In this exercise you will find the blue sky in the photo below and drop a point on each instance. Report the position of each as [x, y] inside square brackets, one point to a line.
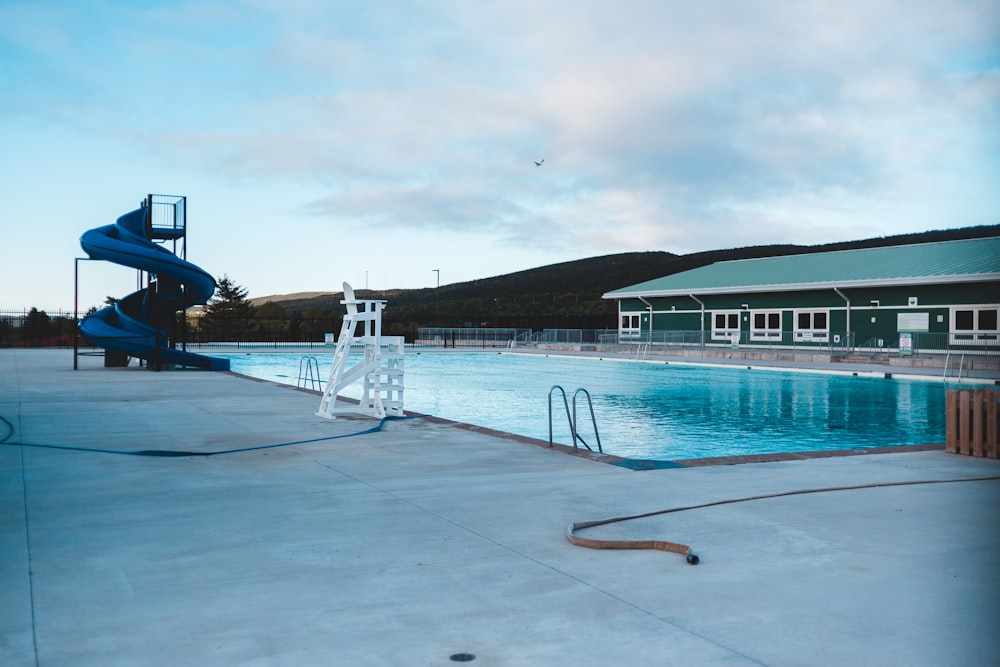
[320, 142]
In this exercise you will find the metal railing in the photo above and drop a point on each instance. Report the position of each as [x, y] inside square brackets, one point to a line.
[572, 419]
[932, 343]
[980, 343]
[309, 373]
[832, 342]
[871, 348]
[469, 336]
[168, 213]
[947, 366]
[37, 328]
[34, 328]
[570, 336]
[521, 338]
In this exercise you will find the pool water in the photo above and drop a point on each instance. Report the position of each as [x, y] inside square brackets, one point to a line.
[658, 411]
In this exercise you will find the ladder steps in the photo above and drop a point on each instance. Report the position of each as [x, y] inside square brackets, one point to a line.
[380, 369]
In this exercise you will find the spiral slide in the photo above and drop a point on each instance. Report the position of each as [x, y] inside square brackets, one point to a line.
[138, 324]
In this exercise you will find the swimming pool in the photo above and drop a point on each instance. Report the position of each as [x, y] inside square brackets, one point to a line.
[658, 411]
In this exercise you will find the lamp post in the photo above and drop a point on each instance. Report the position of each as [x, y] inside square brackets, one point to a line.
[437, 297]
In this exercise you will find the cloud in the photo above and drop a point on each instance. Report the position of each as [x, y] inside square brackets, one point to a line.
[664, 125]
[695, 103]
[447, 207]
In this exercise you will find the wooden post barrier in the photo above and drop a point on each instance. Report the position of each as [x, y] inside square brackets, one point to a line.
[971, 422]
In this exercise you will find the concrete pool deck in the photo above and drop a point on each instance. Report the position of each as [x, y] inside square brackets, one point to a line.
[424, 543]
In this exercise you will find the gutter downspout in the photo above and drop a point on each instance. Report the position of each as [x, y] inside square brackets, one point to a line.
[701, 320]
[649, 306]
[848, 302]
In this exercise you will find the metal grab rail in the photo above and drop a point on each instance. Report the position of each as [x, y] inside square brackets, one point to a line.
[571, 418]
[310, 362]
[593, 420]
[870, 345]
[566, 405]
[961, 365]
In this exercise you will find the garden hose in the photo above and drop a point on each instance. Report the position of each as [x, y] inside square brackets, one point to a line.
[685, 550]
[172, 453]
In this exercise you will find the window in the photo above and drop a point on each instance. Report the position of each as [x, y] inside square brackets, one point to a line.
[965, 320]
[725, 324]
[975, 324]
[630, 321]
[987, 320]
[765, 325]
[812, 325]
[727, 320]
[629, 325]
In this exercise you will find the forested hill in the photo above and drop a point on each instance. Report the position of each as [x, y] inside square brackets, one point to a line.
[566, 294]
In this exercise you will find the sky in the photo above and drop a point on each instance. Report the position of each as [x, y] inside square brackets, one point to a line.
[393, 144]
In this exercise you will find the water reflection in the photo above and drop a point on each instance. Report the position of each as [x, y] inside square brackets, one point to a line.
[665, 411]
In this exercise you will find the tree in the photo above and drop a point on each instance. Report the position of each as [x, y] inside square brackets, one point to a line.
[272, 322]
[230, 300]
[272, 310]
[228, 313]
[36, 325]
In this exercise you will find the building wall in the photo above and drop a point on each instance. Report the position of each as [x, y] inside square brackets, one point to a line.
[877, 315]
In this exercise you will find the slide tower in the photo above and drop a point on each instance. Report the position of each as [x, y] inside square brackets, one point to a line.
[144, 323]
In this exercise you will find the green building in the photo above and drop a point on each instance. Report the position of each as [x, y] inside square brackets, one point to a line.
[926, 297]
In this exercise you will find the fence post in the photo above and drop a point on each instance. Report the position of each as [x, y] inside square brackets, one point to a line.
[992, 412]
[951, 421]
[971, 422]
[964, 432]
[978, 400]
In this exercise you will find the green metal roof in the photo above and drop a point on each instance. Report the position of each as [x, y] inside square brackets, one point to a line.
[919, 263]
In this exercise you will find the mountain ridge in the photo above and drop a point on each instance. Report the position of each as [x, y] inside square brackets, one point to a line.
[565, 294]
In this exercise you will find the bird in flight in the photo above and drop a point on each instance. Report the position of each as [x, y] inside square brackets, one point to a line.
[539, 164]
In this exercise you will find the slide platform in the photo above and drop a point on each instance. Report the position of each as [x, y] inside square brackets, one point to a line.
[137, 325]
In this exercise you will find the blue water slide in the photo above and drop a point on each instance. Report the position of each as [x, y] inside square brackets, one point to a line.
[136, 325]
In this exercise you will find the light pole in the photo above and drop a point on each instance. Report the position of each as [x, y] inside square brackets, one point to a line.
[437, 297]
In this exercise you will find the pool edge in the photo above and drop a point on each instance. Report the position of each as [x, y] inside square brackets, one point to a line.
[637, 464]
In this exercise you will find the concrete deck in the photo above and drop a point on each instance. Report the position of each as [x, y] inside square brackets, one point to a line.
[425, 543]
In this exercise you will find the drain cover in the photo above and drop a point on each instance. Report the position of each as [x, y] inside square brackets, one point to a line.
[461, 657]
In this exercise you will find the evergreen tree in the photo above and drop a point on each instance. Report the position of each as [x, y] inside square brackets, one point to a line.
[228, 314]
[36, 325]
[230, 300]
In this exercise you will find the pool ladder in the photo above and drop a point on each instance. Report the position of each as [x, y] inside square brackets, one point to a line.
[961, 365]
[572, 418]
[309, 373]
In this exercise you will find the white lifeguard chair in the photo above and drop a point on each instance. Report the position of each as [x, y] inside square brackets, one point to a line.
[381, 369]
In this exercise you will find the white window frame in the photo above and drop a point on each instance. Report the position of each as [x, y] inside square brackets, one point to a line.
[726, 333]
[767, 332]
[977, 333]
[635, 324]
[814, 333]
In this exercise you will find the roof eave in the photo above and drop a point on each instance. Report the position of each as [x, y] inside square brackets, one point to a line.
[799, 287]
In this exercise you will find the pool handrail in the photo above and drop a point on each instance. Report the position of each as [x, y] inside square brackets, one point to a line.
[568, 418]
[593, 420]
[314, 380]
[571, 418]
[961, 364]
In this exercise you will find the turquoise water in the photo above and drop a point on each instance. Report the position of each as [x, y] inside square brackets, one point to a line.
[655, 410]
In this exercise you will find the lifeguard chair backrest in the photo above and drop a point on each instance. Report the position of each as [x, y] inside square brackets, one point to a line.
[349, 300]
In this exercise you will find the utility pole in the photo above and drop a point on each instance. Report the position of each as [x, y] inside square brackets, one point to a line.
[437, 296]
